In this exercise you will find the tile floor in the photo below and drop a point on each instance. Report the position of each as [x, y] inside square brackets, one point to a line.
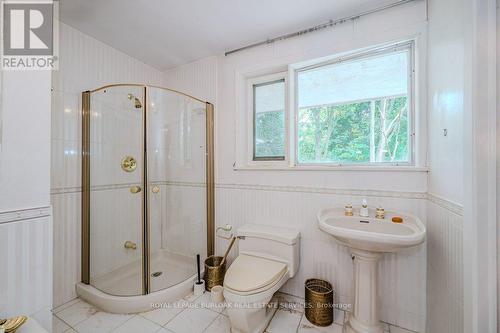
[189, 315]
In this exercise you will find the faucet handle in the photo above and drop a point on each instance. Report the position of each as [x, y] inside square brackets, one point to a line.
[130, 245]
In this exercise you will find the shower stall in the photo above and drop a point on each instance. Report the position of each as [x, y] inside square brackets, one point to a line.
[147, 194]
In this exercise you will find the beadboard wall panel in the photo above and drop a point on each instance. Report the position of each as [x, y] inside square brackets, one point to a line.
[444, 269]
[402, 276]
[26, 260]
[197, 79]
[67, 244]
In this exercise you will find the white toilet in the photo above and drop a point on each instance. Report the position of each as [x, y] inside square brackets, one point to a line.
[268, 257]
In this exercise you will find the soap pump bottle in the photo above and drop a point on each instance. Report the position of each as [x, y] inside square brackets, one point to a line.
[363, 212]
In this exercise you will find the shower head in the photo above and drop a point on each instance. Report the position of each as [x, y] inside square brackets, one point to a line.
[137, 102]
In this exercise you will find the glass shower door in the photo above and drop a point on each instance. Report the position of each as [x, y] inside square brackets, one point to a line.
[177, 190]
[116, 156]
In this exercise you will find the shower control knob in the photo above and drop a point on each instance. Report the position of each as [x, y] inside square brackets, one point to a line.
[155, 189]
[130, 245]
[129, 164]
[135, 189]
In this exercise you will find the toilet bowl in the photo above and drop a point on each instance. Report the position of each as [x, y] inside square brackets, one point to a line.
[267, 258]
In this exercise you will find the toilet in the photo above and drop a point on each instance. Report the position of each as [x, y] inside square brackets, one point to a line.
[268, 257]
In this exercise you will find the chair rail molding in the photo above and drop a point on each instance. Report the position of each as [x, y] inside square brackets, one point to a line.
[25, 214]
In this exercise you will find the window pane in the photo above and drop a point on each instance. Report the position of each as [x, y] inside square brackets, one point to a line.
[269, 120]
[355, 111]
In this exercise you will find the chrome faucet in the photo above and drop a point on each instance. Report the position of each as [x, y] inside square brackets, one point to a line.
[363, 212]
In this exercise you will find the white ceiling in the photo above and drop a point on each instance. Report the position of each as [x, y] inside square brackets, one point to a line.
[168, 33]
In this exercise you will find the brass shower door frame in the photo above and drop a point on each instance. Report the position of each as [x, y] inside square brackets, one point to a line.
[85, 191]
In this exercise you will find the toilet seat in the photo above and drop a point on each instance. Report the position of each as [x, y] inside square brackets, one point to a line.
[250, 275]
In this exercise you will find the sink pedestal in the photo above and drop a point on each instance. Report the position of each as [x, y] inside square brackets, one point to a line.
[364, 318]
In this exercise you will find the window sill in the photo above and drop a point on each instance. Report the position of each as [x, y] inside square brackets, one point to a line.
[386, 168]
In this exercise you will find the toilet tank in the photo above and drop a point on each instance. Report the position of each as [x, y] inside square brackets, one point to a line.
[275, 243]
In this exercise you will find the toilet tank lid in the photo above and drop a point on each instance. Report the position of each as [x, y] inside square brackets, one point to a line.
[279, 234]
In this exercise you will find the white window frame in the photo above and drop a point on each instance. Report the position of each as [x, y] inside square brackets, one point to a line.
[387, 49]
[250, 83]
[277, 69]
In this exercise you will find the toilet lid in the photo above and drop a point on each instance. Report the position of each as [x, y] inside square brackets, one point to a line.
[248, 273]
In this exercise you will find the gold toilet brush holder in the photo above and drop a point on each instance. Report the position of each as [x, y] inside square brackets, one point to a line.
[215, 269]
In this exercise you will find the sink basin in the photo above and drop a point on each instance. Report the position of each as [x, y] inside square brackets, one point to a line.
[368, 238]
[371, 234]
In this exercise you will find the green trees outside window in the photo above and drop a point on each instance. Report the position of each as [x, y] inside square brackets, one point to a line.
[350, 110]
[364, 132]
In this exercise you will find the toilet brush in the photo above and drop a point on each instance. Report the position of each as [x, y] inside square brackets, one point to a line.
[198, 264]
[227, 251]
[199, 285]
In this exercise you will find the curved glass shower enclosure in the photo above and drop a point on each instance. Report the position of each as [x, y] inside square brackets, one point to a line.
[147, 188]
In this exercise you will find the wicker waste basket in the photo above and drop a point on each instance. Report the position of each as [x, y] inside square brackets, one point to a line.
[214, 272]
[319, 302]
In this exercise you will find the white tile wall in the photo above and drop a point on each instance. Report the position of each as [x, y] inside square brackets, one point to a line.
[184, 228]
[85, 64]
[177, 139]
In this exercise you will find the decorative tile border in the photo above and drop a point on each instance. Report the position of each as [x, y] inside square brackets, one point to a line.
[299, 189]
[25, 214]
[106, 187]
[446, 204]
[449, 205]
[326, 190]
[64, 190]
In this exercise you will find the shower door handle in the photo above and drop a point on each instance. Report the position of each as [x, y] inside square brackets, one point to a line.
[135, 189]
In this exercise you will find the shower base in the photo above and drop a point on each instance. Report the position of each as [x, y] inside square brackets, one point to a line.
[170, 286]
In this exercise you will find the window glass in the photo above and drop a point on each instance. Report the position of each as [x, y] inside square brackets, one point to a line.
[355, 111]
[269, 120]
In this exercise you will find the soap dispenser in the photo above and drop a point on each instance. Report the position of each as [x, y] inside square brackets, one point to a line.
[363, 212]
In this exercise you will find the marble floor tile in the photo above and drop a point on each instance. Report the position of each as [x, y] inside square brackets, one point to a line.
[338, 316]
[190, 315]
[289, 302]
[65, 305]
[284, 321]
[137, 324]
[221, 324]
[192, 297]
[385, 326]
[396, 329]
[163, 315]
[306, 326]
[77, 312]
[205, 301]
[59, 326]
[192, 320]
[164, 330]
[102, 322]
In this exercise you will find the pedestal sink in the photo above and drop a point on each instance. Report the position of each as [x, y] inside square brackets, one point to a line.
[368, 238]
